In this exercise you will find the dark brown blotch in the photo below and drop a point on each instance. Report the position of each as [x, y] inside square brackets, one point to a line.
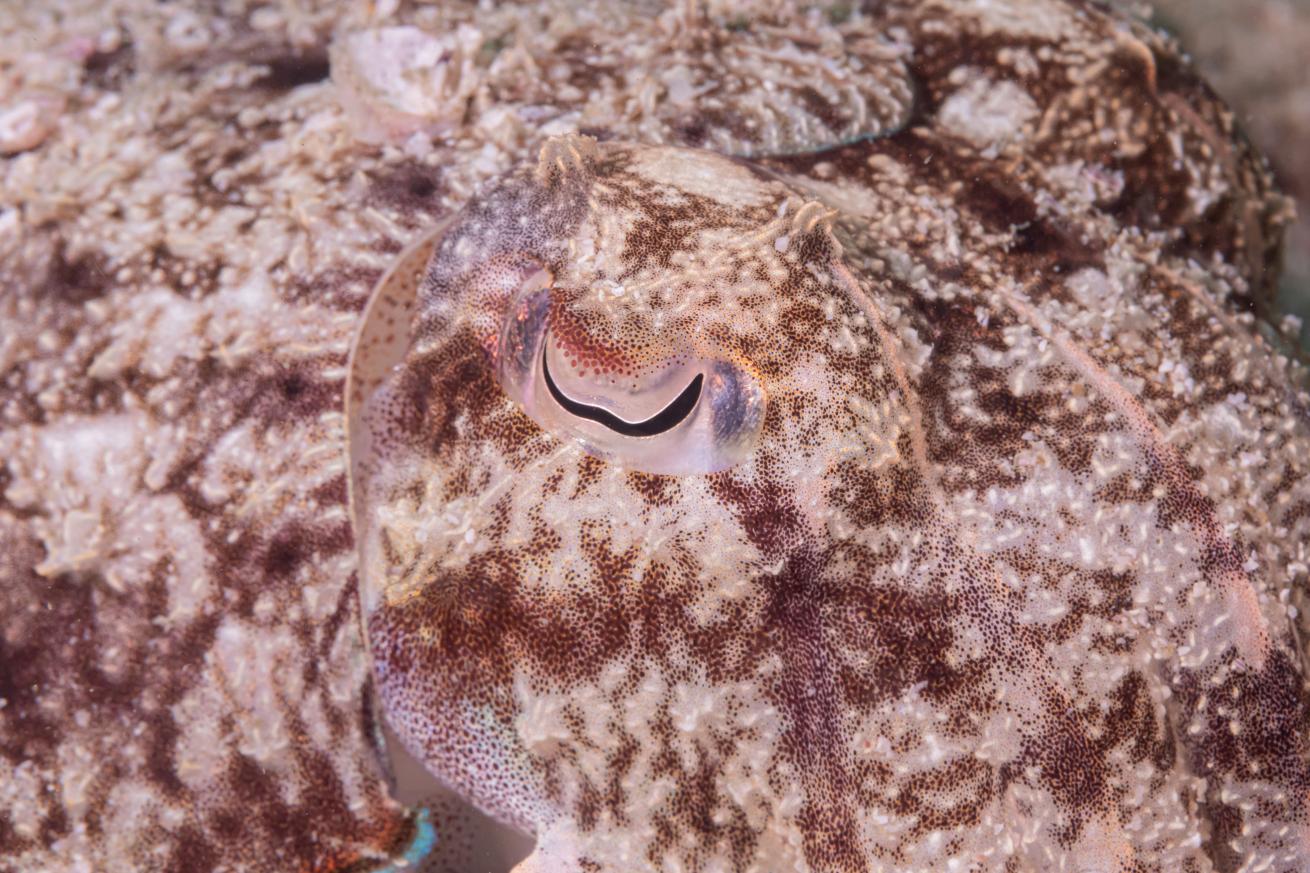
[77, 276]
[408, 187]
[293, 70]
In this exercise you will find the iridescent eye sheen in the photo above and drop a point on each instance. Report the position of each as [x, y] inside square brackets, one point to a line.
[689, 414]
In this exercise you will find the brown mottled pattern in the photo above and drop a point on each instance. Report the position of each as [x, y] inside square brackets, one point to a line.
[984, 592]
[182, 680]
[1008, 575]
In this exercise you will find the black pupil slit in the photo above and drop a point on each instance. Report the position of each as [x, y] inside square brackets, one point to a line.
[666, 419]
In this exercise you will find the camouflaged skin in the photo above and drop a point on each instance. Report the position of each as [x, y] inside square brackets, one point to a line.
[1013, 580]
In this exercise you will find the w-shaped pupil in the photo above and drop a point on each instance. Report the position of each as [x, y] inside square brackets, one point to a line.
[665, 419]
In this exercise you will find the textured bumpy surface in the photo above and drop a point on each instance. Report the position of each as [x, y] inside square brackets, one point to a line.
[1270, 92]
[983, 545]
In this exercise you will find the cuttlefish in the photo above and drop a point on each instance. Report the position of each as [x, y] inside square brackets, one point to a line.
[732, 439]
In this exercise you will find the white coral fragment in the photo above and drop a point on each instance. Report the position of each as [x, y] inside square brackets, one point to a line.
[26, 123]
[398, 81]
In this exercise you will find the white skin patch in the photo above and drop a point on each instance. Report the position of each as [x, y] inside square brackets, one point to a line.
[723, 182]
[988, 114]
[1044, 19]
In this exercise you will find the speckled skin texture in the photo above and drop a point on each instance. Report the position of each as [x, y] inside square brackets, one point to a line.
[1010, 576]
[1270, 94]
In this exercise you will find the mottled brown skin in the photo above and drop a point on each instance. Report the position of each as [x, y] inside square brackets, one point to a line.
[615, 694]
[539, 660]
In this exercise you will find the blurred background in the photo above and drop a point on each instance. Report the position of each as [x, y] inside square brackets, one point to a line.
[1256, 53]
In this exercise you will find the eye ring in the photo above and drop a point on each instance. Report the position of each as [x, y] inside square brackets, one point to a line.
[665, 420]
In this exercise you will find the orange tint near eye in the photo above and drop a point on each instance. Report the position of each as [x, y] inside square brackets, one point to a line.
[584, 353]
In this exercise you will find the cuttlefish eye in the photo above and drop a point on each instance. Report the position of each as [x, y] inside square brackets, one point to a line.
[680, 413]
[666, 419]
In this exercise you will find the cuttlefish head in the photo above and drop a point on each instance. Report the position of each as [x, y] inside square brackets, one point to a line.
[604, 426]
